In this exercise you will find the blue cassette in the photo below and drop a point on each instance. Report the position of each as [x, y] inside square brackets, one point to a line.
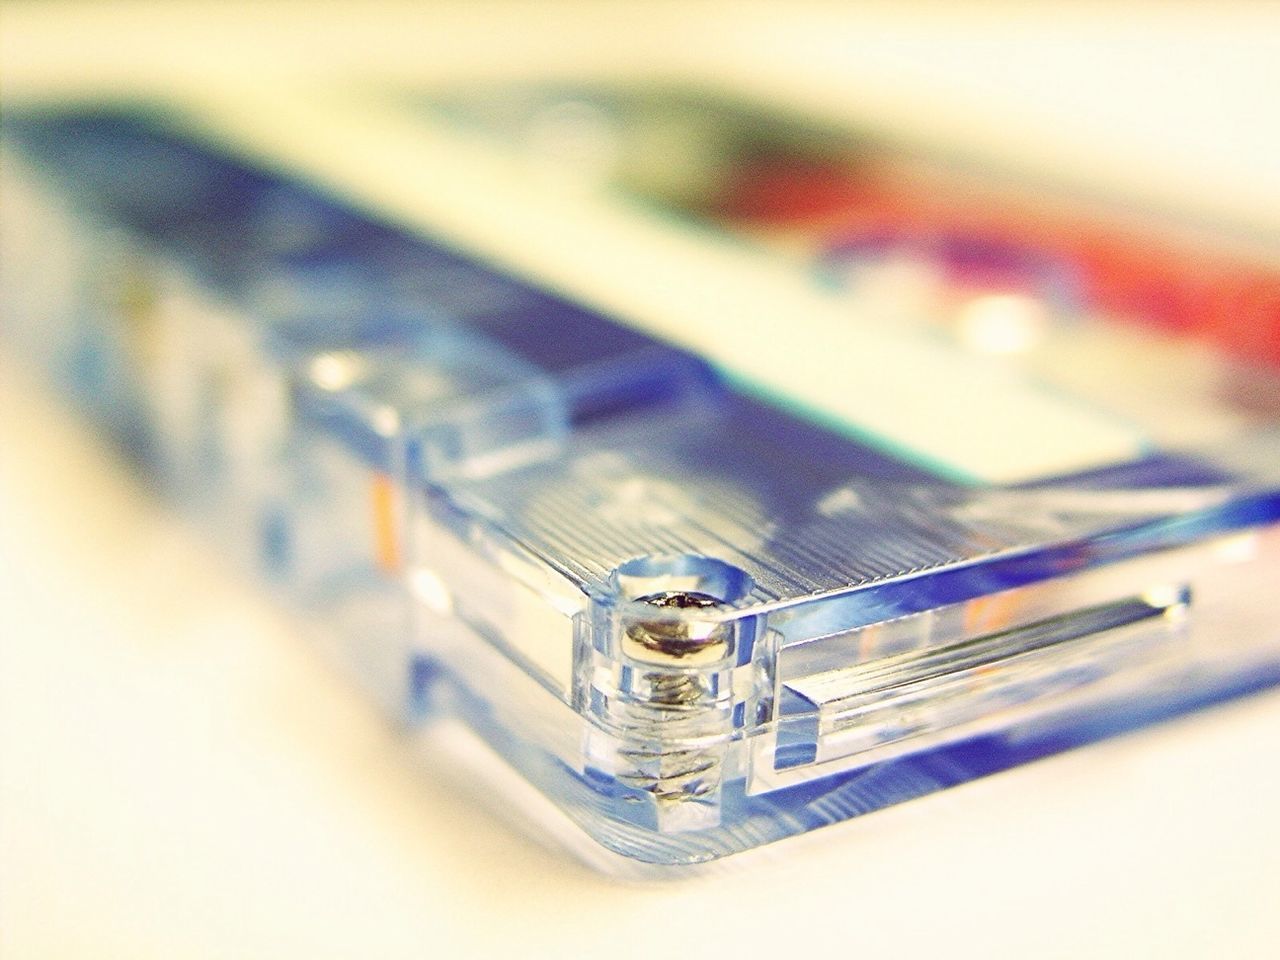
[703, 587]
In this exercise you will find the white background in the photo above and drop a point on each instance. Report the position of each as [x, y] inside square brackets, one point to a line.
[181, 775]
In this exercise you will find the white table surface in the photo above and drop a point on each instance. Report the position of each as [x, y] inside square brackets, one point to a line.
[182, 776]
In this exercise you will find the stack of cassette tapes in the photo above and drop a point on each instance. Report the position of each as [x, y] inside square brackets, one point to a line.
[1012, 488]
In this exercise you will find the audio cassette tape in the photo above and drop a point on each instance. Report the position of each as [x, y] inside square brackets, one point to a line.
[728, 471]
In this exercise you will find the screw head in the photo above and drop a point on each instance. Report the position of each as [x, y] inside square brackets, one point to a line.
[677, 641]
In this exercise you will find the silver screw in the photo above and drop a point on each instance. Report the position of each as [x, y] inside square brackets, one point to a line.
[677, 642]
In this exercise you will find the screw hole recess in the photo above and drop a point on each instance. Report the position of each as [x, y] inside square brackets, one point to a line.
[703, 581]
[675, 586]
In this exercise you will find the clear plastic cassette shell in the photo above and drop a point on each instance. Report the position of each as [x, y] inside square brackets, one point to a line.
[695, 619]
